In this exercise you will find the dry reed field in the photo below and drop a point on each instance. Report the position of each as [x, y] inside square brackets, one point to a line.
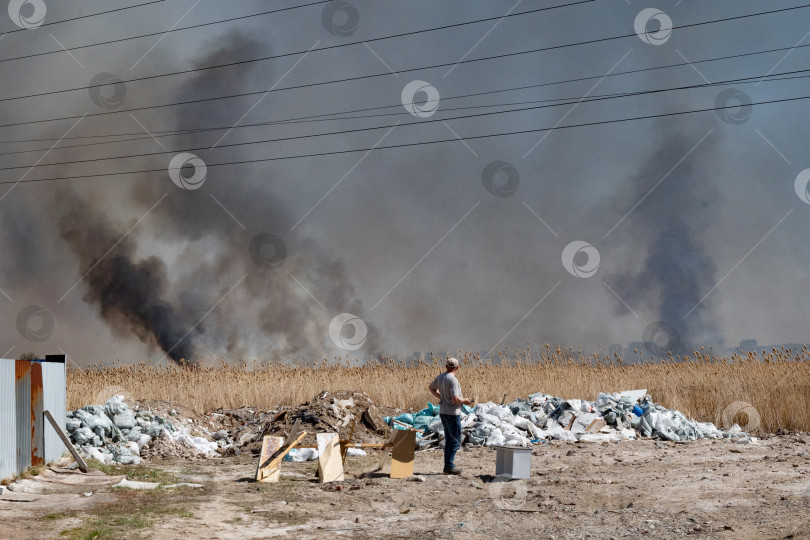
[763, 393]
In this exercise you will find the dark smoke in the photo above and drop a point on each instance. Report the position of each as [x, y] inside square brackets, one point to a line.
[131, 295]
[675, 271]
[162, 305]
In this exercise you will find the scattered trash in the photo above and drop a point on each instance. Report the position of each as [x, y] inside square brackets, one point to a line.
[747, 440]
[302, 454]
[133, 484]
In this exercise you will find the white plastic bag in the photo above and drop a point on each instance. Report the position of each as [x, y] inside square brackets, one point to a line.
[502, 413]
[526, 424]
[495, 438]
[299, 455]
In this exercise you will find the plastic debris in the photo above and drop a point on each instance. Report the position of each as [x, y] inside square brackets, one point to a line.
[612, 417]
[302, 454]
[117, 434]
[133, 484]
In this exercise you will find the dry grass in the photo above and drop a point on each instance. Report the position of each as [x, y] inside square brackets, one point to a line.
[721, 390]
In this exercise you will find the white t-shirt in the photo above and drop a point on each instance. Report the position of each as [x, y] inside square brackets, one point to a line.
[448, 386]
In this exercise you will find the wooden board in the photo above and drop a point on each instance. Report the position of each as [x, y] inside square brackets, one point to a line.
[330, 461]
[62, 435]
[344, 450]
[270, 445]
[402, 454]
[384, 455]
[595, 426]
[271, 468]
[294, 430]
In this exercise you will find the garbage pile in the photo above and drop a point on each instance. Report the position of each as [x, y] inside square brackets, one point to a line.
[114, 433]
[344, 412]
[612, 417]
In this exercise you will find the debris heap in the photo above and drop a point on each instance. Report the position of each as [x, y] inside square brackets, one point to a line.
[116, 433]
[612, 417]
[343, 412]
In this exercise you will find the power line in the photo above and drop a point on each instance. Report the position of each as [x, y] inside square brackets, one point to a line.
[86, 17]
[505, 55]
[419, 143]
[334, 116]
[245, 94]
[295, 53]
[571, 101]
[162, 32]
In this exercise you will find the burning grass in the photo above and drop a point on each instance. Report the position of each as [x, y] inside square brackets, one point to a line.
[763, 393]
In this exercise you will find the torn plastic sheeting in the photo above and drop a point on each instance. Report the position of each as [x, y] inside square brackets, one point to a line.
[92, 421]
[520, 405]
[82, 436]
[584, 420]
[405, 418]
[202, 445]
[502, 413]
[633, 395]
[557, 432]
[143, 440]
[513, 436]
[480, 433]
[132, 484]
[468, 421]
[115, 405]
[299, 455]
[98, 455]
[600, 437]
[437, 427]
[483, 407]
[124, 420]
[488, 419]
[538, 418]
[495, 438]
[527, 425]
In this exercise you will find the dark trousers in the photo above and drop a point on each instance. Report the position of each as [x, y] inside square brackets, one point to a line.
[452, 437]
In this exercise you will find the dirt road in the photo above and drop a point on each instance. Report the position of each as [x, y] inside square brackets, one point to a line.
[632, 489]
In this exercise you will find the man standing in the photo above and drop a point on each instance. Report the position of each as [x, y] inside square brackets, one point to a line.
[445, 387]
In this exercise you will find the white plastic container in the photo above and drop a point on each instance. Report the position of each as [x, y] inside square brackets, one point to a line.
[513, 462]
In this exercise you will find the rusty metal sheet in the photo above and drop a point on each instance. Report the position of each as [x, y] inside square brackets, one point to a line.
[37, 418]
[23, 427]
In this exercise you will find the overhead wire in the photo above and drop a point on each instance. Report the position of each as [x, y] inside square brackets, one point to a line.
[244, 94]
[776, 77]
[419, 143]
[334, 116]
[87, 16]
[160, 33]
[329, 47]
[387, 73]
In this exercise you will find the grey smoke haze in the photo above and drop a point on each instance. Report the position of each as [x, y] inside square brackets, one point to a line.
[409, 240]
[677, 270]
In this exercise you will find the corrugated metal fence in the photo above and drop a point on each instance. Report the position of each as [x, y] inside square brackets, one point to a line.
[27, 389]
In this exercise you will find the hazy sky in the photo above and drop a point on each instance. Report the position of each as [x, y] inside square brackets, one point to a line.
[694, 219]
